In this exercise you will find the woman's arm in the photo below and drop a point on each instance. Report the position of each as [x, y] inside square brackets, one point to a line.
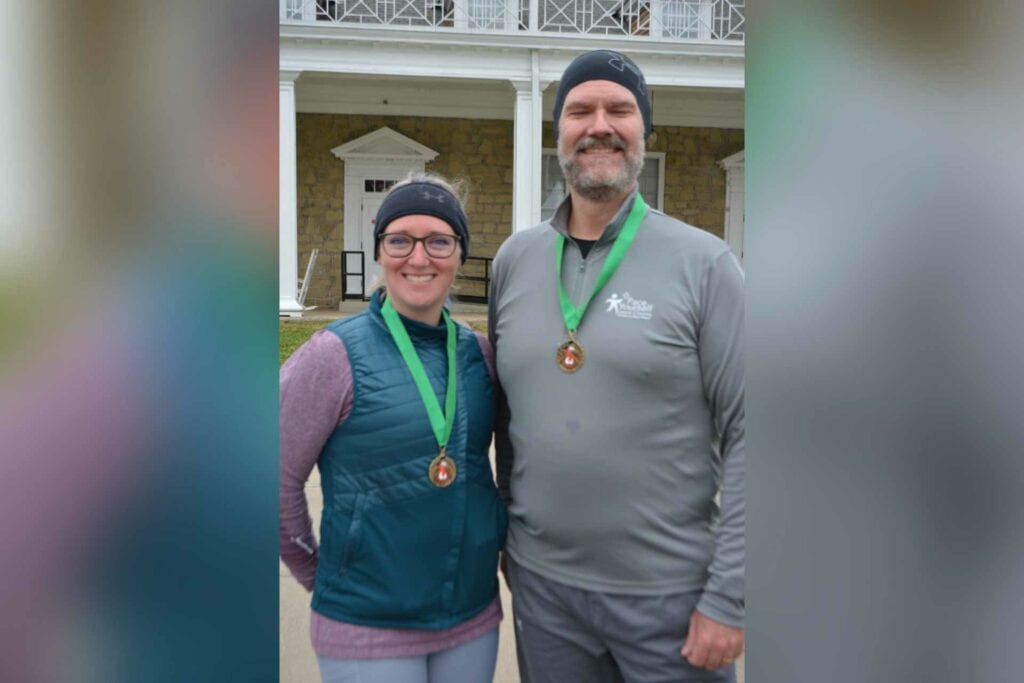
[316, 396]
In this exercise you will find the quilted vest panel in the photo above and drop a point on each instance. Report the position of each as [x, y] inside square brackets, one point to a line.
[396, 551]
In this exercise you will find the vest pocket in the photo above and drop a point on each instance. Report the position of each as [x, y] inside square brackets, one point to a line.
[338, 535]
[352, 537]
[399, 560]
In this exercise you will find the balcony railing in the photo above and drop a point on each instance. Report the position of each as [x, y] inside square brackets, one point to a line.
[718, 20]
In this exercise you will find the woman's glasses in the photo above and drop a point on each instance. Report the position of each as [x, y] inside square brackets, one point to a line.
[437, 244]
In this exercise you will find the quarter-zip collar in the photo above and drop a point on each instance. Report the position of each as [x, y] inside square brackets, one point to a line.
[560, 221]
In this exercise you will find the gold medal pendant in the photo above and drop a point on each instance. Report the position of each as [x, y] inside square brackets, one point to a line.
[569, 356]
[442, 470]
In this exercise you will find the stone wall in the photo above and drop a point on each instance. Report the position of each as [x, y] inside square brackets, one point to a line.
[480, 153]
[694, 182]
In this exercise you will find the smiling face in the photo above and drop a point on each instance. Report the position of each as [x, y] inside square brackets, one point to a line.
[601, 140]
[418, 284]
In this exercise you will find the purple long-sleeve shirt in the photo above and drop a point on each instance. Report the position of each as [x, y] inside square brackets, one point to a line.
[316, 396]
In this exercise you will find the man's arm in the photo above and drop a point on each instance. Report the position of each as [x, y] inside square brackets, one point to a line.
[716, 626]
[721, 358]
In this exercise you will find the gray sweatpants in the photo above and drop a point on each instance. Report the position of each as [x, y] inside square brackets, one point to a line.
[567, 634]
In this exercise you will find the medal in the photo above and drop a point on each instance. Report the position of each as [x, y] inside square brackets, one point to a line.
[442, 470]
[569, 355]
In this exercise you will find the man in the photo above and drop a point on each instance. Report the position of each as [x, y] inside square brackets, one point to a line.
[621, 419]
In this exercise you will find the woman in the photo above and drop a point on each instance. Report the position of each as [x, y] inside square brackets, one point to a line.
[394, 405]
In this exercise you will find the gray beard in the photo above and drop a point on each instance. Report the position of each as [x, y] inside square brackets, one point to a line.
[605, 189]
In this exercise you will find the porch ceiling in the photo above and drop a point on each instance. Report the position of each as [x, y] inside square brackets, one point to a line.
[333, 93]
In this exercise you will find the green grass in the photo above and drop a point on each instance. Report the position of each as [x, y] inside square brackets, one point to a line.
[294, 334]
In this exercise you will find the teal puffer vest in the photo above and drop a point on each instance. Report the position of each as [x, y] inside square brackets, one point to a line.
[396, 551]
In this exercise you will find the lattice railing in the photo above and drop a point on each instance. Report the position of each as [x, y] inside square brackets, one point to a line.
[720, 20]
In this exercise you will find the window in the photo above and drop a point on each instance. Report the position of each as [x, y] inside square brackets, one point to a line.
[553, 190]
[492, 15]
[686, 19]
[293, 9]
[488, 14]
[299, 10]
[377, 185]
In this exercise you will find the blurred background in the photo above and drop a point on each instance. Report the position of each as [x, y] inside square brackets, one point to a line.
[138, 472]
[884, 379]
[139, 376]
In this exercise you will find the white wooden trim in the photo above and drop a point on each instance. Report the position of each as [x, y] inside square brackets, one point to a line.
[660, 157]
[362, 147]
[735, 202]
[544, 40]
[372, 50]
[526, 163]
[288, 245]
[736, 160]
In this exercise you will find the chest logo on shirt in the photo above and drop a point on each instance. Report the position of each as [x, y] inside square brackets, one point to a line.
[626, 306]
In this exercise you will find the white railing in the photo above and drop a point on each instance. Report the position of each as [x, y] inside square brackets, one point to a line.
[720, 20]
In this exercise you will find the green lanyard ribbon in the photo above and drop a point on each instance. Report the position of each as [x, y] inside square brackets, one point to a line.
[574, 314]
[440, 423]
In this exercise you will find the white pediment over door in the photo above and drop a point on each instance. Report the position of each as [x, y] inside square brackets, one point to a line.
[384, 144]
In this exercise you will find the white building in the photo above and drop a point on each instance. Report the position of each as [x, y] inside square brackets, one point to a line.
[370, 89]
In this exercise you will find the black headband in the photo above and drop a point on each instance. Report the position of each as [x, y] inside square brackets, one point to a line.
[422, 198]
[605, 65]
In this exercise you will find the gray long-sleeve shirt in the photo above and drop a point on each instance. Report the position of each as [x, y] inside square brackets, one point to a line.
[611, 472]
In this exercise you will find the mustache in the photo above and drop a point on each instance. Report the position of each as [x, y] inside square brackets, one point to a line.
[609, 141]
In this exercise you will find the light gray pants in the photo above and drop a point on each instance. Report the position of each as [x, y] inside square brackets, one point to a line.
[567, 634]
[471, 662]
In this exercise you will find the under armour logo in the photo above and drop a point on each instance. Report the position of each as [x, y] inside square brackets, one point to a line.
[430, 196]
[620, 64]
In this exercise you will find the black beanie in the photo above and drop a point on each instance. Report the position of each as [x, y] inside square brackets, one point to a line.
[426, 198]
[605, 65]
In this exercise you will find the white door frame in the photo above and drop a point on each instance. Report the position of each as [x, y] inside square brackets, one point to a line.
[367, 217]
[381, 155]
[734, 202]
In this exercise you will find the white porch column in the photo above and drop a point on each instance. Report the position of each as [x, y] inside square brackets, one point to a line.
[288, 250]
[526, 166]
